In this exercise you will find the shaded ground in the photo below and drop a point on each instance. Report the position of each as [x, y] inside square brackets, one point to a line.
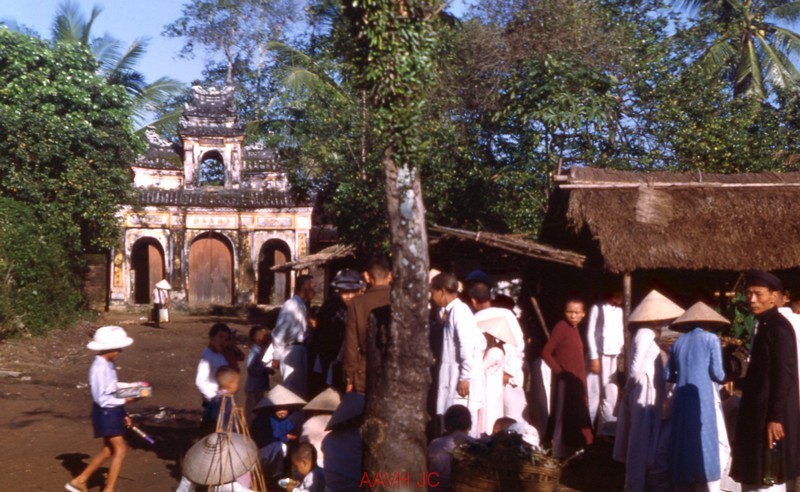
[45, 425]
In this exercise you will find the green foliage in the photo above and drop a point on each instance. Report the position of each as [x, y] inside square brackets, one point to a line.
[65, 139]
[743, 322]
[39, 281]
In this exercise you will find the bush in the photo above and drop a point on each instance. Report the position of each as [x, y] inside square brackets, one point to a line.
[39, 283]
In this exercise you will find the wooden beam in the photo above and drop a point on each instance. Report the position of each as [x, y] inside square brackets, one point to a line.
[626, 312]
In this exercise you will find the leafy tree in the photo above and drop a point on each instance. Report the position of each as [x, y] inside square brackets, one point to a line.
[117, 65]
[240, 31]
[393, 45]
[65, 138]
[751, 42]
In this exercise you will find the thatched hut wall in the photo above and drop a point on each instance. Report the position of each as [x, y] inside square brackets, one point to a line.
[628, 221]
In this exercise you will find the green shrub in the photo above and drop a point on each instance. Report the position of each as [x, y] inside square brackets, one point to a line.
[39, 283]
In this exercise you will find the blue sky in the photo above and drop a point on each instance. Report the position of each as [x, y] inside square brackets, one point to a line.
[127, 20]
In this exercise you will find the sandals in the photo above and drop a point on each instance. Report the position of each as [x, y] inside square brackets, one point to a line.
[73, 488]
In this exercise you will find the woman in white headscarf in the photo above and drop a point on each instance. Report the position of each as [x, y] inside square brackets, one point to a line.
[642, 426]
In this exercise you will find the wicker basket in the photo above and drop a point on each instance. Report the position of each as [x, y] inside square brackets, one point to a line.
[503, 473]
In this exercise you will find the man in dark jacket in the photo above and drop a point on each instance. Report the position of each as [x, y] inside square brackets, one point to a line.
[379, 278]
[769, 414]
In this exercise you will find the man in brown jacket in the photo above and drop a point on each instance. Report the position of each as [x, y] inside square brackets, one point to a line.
[379, 278]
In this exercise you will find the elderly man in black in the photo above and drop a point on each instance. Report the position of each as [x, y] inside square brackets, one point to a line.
[769, 416]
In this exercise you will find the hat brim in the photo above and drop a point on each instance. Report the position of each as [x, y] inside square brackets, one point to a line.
[110, 346]
[347, 285]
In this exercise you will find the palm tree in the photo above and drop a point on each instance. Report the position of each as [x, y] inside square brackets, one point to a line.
[117, 66]
[751, 43]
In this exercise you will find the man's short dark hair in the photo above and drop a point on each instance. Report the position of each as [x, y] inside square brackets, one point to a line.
[480, 292]
[218, 327]
[301, 282]
[446, 281]
[576, 300]
[378, 267]
[457, 417]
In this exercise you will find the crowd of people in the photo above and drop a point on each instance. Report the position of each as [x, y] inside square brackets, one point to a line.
[663, 414]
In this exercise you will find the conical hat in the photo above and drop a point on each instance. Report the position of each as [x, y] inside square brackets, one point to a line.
[220, 458]
[351, 407]
[655, 307]
[327, 401]
[280, 396]
[163, 284]
[498, 328]
[701, 312]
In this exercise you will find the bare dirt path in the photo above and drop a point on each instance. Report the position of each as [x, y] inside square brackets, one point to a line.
[45, 430]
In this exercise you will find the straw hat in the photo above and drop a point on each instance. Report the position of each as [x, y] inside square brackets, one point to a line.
[220, 458]
[352, 406]
[498, 327]
[327, 401]
[701, 313]
[109, 338]
[280, 396]
[655, 307]
[163, 284]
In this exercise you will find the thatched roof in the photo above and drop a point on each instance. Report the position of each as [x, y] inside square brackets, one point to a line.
[327, 255]
[513, 244]
[625, 221]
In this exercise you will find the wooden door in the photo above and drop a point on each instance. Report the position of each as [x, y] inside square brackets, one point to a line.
[210, 272]
[147, 262]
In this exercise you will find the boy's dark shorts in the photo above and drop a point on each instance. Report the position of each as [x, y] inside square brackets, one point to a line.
[108, 422]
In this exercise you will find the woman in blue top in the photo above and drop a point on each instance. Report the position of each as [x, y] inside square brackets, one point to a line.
[695, 366]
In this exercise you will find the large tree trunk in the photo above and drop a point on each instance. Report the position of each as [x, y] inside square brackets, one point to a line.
[399, 356]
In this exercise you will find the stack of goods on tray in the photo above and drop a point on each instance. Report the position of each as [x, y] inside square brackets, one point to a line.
[506, 461]
[137, 389]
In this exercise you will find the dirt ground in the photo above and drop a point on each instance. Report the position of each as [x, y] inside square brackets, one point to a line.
[46, 430]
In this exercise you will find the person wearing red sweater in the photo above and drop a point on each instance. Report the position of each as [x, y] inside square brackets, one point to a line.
[571, 427]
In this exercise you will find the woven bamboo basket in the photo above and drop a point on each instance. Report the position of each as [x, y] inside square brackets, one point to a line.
[503, 472]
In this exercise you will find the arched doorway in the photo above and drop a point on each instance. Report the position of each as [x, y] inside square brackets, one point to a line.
[273, 287]
[210, 270]
[147, 263]
[212, 170]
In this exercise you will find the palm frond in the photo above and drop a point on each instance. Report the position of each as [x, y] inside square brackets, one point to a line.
[168, 120]
[748, 73]
[68, 25]
[785, 40]
[132, 55]
[780, 71]
[87, 27]
[787, 12]
[152, 96]
[106, 52]
[717, 57]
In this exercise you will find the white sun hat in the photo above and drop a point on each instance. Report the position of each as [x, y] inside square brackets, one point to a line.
[280, 396]
[220, 458]
[109, 338]
[163, 284]
[327, 401]
[655, 307]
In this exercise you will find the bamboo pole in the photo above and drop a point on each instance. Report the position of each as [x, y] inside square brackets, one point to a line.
[626, 312]
[539, 315]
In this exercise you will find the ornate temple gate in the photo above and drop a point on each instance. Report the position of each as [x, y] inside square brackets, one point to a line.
[210, 270]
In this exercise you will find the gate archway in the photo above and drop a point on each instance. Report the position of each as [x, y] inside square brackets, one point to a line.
[210, 270]
[147, 263]
[273, 287]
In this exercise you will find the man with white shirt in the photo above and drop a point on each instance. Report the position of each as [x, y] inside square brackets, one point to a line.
[605, 340]
[461, 371]
[288, 349]
[514, 402]
[211, 360]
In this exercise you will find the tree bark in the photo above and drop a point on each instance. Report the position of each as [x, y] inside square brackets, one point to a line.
[399, 356]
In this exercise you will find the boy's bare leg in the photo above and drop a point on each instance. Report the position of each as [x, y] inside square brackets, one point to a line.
[118, 449]
[97, 460]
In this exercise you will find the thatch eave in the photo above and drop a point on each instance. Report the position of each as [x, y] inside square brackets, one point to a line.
[331, 253]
